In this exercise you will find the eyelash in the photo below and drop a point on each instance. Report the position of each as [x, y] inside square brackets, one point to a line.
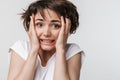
[55, 26]
[39, 25]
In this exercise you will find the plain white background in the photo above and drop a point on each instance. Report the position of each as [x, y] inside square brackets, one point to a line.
[98, 35]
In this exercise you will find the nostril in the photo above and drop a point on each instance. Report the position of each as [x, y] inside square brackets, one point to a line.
[47, 34]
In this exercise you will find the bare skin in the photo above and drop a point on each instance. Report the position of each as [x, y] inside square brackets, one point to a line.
[46, 36]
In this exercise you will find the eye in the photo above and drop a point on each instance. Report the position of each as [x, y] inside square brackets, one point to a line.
[56, 26]
[39, 25]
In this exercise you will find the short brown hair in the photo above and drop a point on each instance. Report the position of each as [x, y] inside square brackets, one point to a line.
[63, 8]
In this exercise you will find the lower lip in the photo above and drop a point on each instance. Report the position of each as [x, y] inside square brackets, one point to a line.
[45, 43]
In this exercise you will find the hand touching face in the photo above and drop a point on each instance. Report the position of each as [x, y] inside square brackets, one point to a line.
[52, 30]
[34, 42]
[47, 29]
[63, 34]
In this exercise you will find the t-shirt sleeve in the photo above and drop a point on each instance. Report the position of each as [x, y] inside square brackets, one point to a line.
[74, 49]
[20, 48]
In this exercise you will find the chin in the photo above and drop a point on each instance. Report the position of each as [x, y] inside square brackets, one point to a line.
[47, 48]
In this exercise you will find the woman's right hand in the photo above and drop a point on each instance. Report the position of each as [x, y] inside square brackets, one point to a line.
[34, 42]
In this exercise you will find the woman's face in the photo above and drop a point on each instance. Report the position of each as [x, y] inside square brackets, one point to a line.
[47, 29]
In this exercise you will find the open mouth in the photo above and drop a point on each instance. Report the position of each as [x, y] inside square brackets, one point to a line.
[47, 41]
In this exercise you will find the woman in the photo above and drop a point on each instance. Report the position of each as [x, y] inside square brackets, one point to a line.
[47, 55]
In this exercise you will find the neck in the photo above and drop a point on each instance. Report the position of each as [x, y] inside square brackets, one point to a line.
[45, 56]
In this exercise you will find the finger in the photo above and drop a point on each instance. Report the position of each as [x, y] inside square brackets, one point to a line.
[62, 25]
[31, 26]
[68, 25]
[32, 21]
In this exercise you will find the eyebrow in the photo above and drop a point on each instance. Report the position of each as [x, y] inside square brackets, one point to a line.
[51, 20]
[39, 20]
[55, 20]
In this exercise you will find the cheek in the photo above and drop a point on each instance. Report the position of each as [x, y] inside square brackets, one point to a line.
[56, 33]
[38, 31]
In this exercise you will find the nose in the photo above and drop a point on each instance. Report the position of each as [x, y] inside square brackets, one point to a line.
[47, 31]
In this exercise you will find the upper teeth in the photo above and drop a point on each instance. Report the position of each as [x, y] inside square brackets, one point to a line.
[48, 41]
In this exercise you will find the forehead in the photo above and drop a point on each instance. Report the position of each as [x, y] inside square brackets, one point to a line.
[47, 14]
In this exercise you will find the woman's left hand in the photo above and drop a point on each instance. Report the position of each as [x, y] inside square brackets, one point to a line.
[63, 34]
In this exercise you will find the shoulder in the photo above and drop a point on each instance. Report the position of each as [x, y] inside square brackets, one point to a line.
[21, 47]
[73, 46]
[72, 49]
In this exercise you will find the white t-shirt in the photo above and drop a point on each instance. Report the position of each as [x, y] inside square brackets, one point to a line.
[43, 73]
